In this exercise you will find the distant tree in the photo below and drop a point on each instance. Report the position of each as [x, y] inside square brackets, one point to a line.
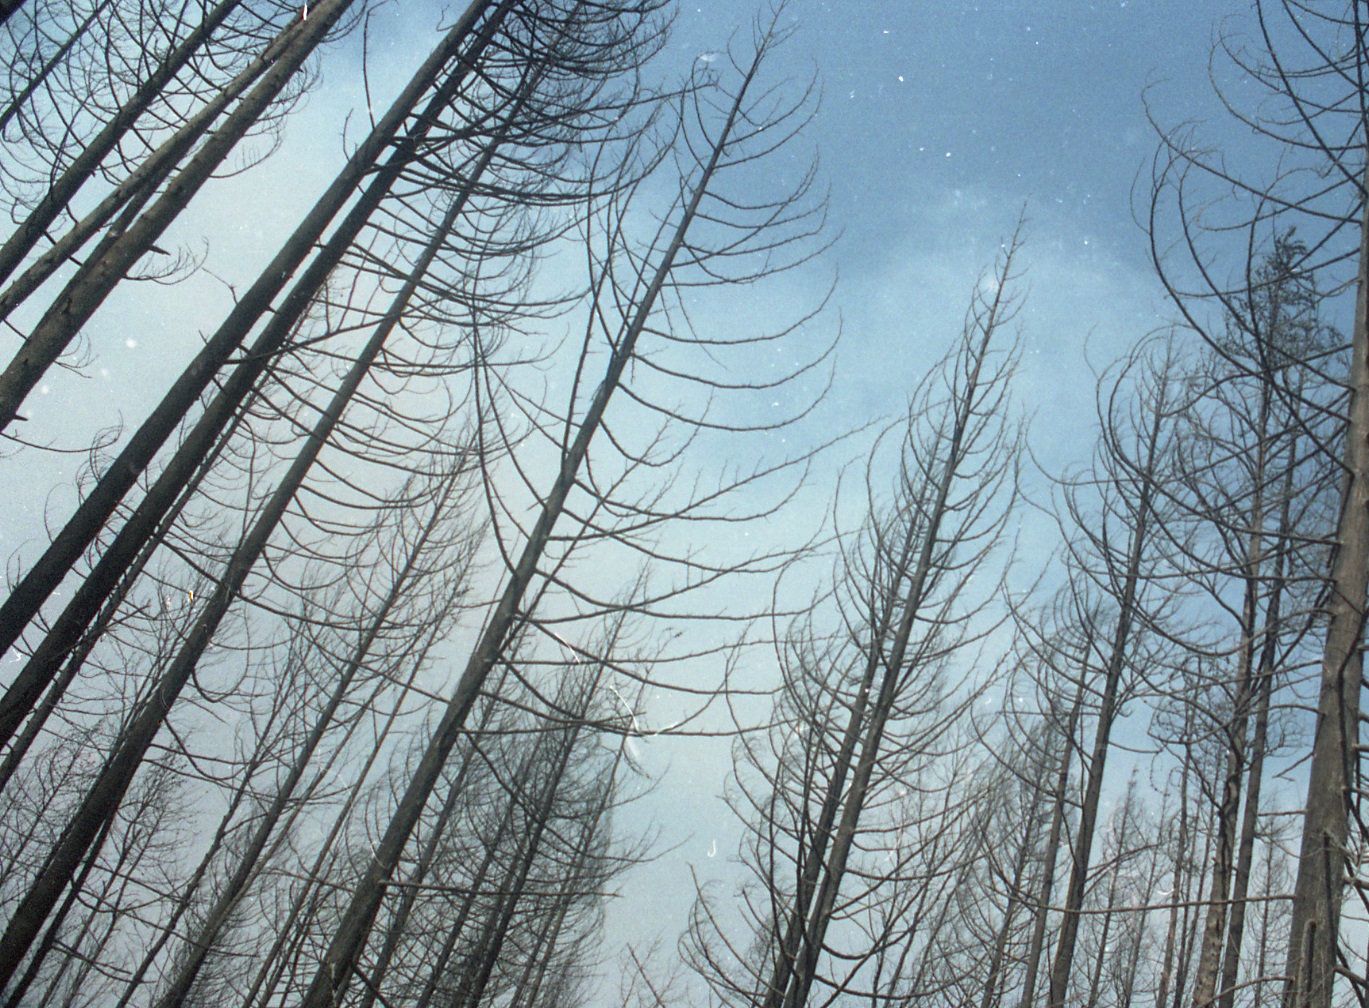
[1113, 517]
[1034, 739]
[864, 709]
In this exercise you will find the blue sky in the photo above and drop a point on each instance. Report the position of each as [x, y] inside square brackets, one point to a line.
[940, 124]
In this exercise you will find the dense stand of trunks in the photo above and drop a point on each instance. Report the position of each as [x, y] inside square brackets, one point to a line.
[326, 685]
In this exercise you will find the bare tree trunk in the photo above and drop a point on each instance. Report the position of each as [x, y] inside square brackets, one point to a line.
[30, 231]
[1266, 924]
[456, 930]
[1041, 911]
[1228, 808]
[1188, 936]
[1127, 995]
[1101, 960]
[81, 530]
[1231, 963]
[263, 986]
[184, 903]
[796, 938]
[398, 922]
[1107, 711]
[1264, 688]
[1167, 963]
[1317, 893]
[583, 873]
[993, 980]
[49, 939]
[476, 977]
[110, 262]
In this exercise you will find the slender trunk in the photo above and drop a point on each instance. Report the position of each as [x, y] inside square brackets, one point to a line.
[1175, 896]
[795, 936]
[80, 531]
[1132, 970]
[994, 979]
[1188, 938]
[335, 970]
[1124, 828]
[110, 901]
[581, 874]
[59, 194]
[294, 924]
[1082, 849]
[184, 902]
[1223, 865]
[1259, 744]
[395, 929]
[1101, 960]
[1231, 962]
[1318, 891]
[1266, 924]
[456, 930]
[49, 939]
[1041, 912]
[928, 532]
[513, 888]
[1214, 932]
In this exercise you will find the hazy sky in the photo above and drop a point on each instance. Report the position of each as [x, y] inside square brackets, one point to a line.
[940, 124]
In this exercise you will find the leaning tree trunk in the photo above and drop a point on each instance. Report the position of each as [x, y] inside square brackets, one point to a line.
[1170, 953]
[81, 649]
[90, 517]
[993, 981]
[108, 790]
[408, 899]
[294, 923]
[111, 261]
[1250, 817]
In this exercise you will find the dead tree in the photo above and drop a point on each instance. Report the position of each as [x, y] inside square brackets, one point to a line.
[705, 237]
[1313, 121]
[867, 695]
